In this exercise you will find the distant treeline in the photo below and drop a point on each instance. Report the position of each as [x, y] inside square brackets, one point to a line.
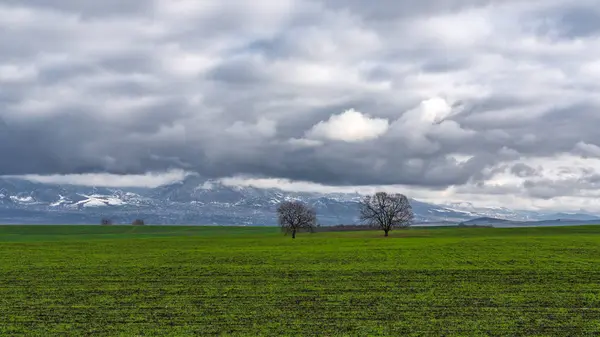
[474, 226]
[342, 227]
[348, 227]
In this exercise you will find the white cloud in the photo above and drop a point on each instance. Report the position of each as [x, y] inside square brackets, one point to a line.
[111, 180]
[586, 149]
[15, 73]
[264, 127]
[304, 143]
[426, 126]
[430, 112]
[349, 126]
[186, 63]
[462, 29]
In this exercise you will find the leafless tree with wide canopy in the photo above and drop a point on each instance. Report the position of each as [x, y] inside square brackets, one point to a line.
[295, 216]
[386, 211]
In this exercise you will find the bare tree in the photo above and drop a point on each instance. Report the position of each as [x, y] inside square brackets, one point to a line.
[295, 216]
[386, 211]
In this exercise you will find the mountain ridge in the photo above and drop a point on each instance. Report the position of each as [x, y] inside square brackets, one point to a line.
[196, 200]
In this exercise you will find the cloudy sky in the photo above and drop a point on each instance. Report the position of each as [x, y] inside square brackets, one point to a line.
[492, 102]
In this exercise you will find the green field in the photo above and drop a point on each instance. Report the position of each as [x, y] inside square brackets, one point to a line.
[124, 280]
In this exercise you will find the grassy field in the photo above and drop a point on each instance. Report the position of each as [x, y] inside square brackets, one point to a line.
[124, 280]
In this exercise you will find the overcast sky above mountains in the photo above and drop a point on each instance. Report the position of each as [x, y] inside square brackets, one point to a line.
[493, 102]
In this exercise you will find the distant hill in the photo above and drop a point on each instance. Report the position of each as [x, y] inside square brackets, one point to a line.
[486, 221]
[538, 223]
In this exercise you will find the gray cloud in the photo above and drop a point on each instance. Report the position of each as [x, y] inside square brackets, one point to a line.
[523, 170]
[224, 89]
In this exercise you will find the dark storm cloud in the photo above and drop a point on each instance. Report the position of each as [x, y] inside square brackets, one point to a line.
[232, 89]
[579, 21]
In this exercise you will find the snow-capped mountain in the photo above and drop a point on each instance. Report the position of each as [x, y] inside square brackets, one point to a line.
[516, 215]
[196, 200]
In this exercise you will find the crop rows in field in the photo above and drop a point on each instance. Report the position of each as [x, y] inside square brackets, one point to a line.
[261, 283]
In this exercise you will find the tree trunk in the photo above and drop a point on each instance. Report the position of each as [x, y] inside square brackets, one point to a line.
[293, 234]
[386, 232]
